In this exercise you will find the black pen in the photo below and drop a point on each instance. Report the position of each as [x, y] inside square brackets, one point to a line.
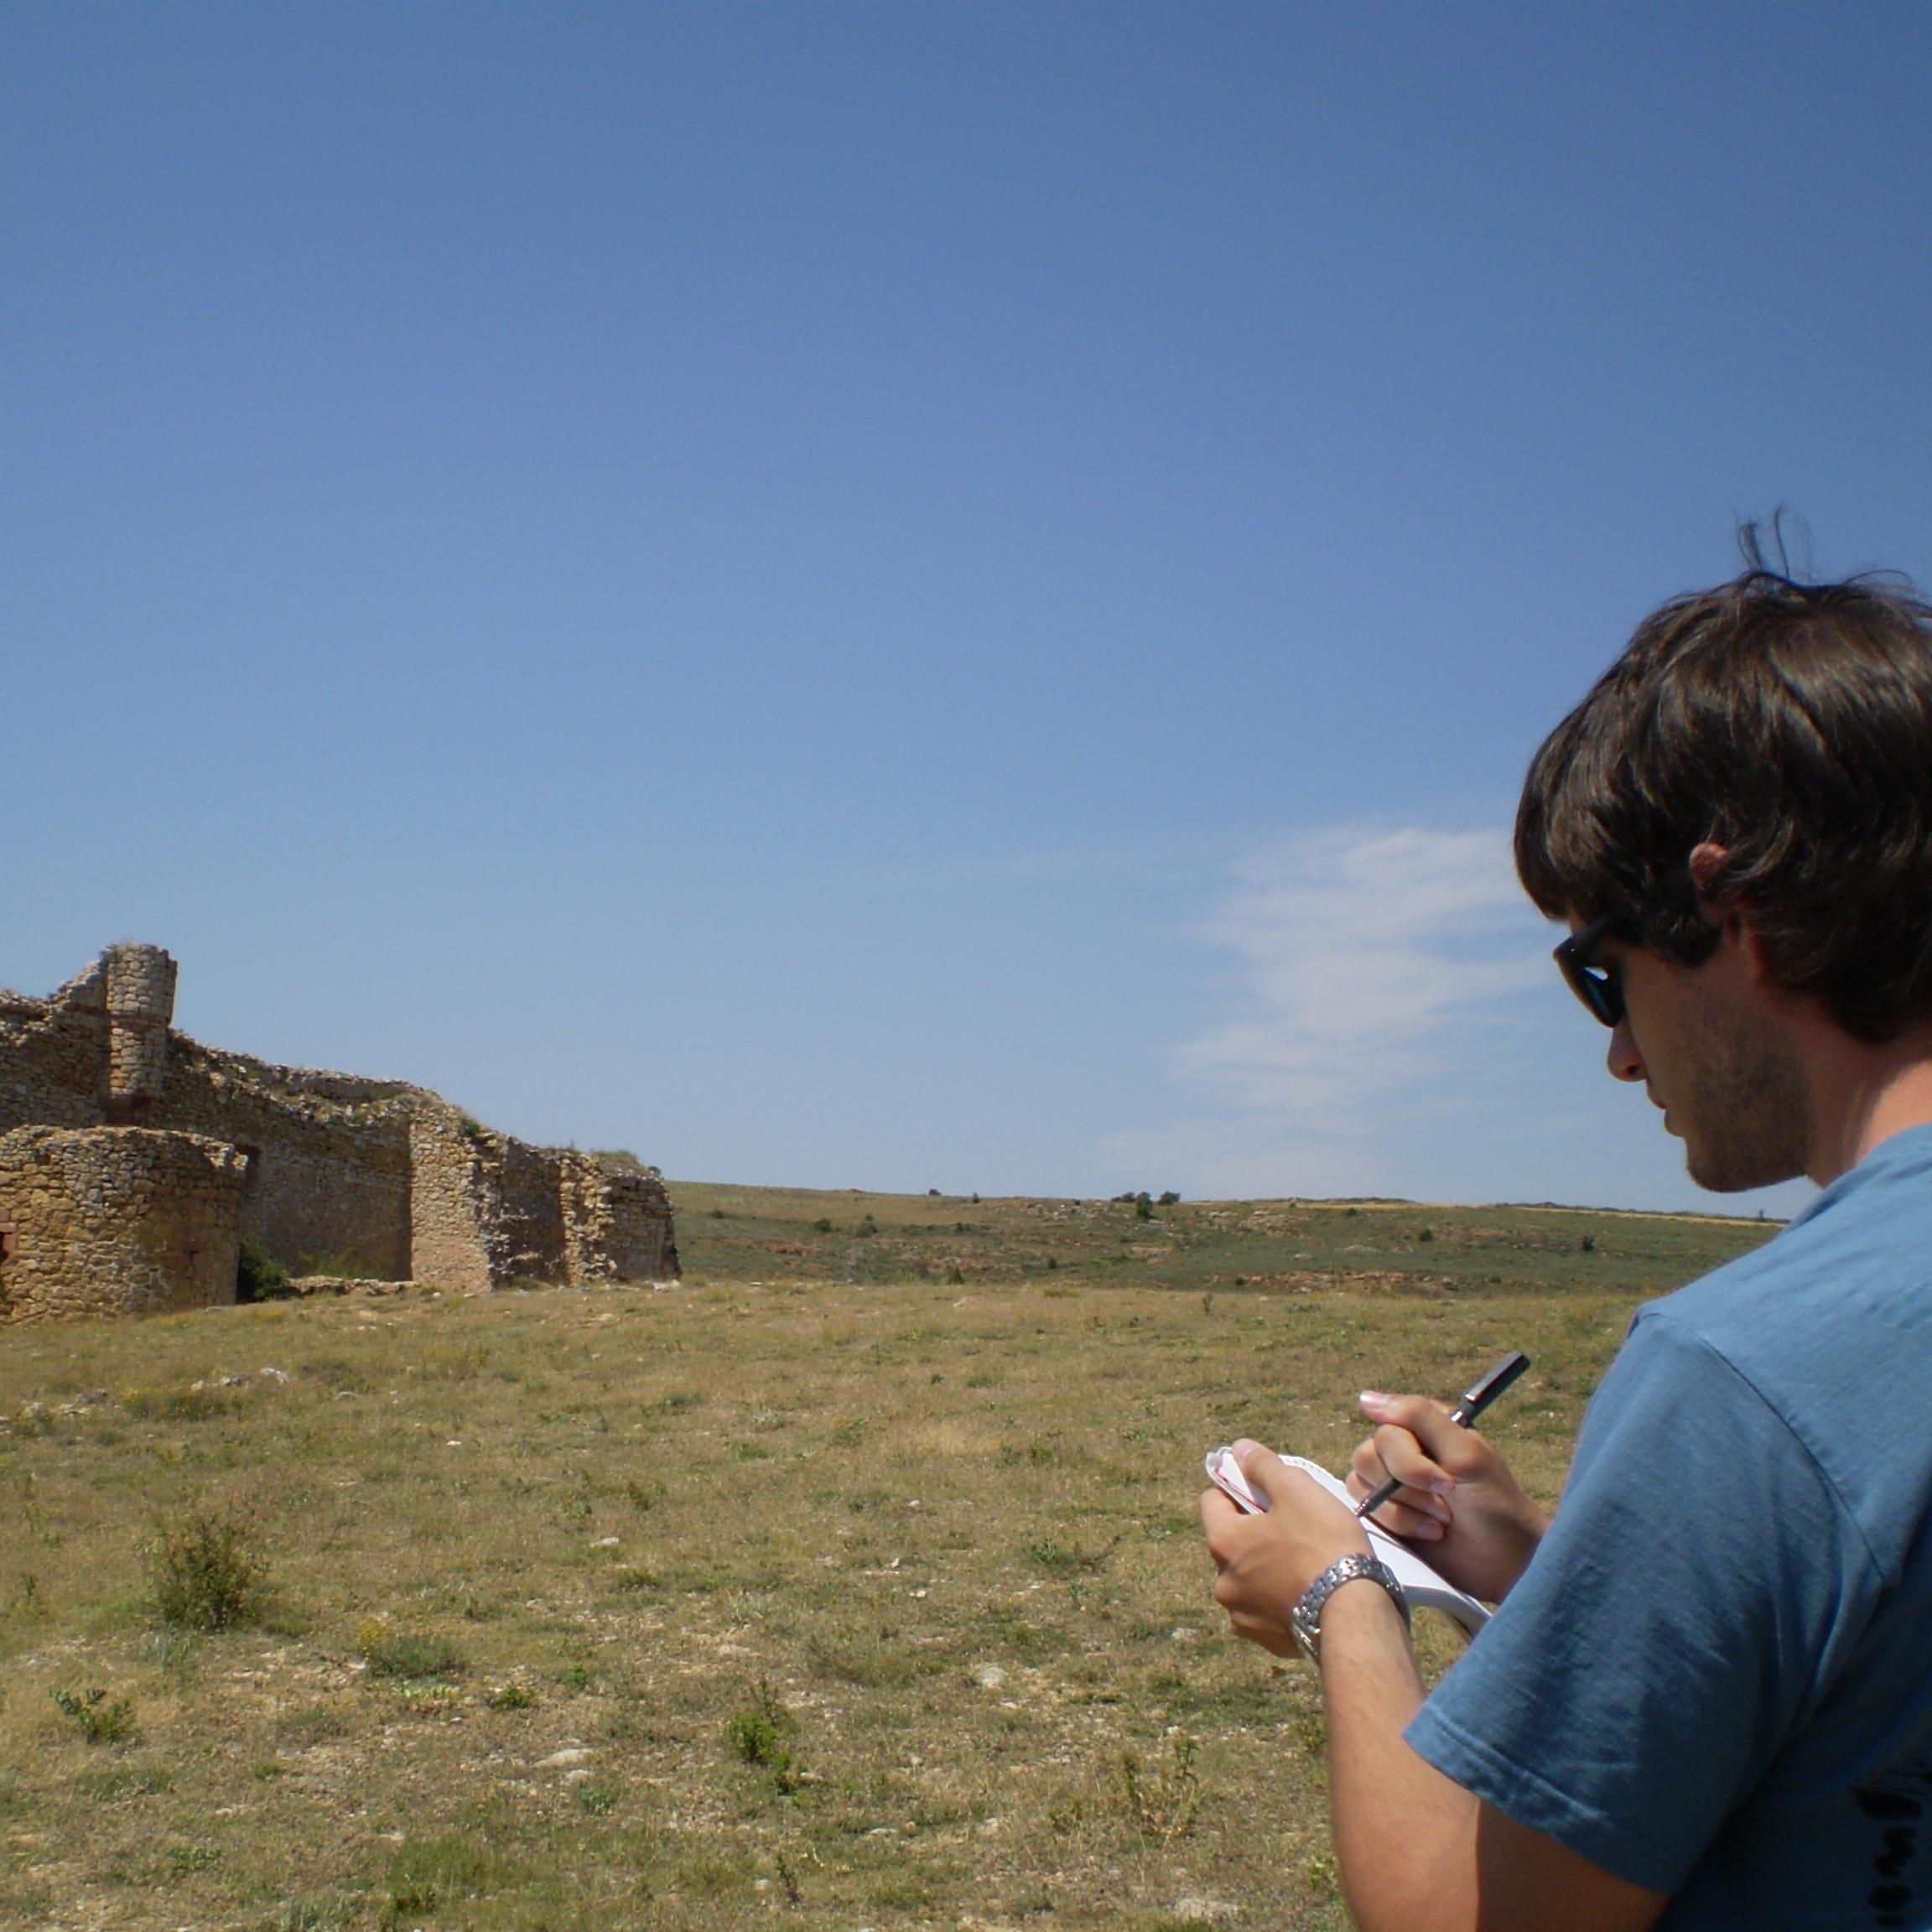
[1475, 1399]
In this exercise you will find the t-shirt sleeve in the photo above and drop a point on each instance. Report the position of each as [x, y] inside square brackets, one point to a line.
[1641, 1675]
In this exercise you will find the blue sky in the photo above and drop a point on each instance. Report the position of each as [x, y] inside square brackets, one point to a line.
[899, 596]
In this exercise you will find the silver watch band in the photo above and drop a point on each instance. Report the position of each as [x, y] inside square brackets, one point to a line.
[1305, 1619]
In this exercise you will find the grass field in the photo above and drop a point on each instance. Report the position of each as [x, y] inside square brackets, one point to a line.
[854, 1580]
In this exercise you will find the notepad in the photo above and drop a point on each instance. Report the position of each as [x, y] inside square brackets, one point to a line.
[1420, 1584]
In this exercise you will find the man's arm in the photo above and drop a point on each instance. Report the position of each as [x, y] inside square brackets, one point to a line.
[1417, 1852]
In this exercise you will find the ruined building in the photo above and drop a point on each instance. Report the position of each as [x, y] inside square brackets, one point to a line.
[133, 1160]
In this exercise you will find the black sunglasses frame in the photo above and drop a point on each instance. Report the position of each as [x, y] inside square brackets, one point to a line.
[1599, 988]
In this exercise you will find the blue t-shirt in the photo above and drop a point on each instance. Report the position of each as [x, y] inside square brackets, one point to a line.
[1715, 1679]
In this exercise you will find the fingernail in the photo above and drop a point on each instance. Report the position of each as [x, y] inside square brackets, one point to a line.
[1373, 1399]
[1428, 1530]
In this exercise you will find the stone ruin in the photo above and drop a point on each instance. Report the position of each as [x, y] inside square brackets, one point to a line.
[133, 1160]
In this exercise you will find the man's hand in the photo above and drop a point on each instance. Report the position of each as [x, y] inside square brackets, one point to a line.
[1266, 1563]
[1458, 1505]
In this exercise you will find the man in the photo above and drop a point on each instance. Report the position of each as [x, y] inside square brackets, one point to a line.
[1706, 1697]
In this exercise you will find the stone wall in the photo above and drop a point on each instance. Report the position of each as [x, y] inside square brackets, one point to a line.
[344, 1174]
[617, 1224]
[116, 1221]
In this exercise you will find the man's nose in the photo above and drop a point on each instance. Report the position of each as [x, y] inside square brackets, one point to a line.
[1623, 1059]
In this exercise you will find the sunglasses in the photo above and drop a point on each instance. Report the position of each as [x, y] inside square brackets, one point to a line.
[1598, 986]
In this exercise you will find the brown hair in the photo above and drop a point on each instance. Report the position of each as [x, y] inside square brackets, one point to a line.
[1789, 723]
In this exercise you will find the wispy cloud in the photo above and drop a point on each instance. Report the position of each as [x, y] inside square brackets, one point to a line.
[1364, 961]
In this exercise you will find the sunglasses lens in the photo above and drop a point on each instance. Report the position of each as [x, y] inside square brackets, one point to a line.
[1603, 993]
[1598, 986]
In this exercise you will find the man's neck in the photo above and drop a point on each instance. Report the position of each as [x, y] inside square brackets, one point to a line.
[1862, 1094]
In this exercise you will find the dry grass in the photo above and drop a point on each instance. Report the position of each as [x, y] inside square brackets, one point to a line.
[824, 1602]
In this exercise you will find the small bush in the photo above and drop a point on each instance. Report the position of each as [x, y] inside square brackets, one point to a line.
[1168, 1199]
[758, 1735]
[100, 1720]
[1143, 1206]
[258, 1276]
[204, 1570]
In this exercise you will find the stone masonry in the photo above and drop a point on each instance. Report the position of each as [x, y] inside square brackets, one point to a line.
[116, 1222]
[329, 1172]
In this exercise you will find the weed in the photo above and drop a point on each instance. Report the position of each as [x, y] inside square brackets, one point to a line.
[788, 1878]
[390, 1652]
[316, 1912]
[105, 1787]
[425, 1874]
[1069, 1558]
[204, 1570]
[179, 1405]
[99, 1719]
[182, 1859]
[313, 1724]
[1163, 1803]
[822, 1225]
[511, 1697]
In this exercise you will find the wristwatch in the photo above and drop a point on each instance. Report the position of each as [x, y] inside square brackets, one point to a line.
[1305, 1619]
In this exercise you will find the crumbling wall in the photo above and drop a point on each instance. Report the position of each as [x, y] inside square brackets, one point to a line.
[52, 1055]
[116, 1221]
[365, 1177]
[617, 1223]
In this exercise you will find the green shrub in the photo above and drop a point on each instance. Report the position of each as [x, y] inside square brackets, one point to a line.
[204, 1570]
[258, 1276]
[100, 1720]
[758, 1735]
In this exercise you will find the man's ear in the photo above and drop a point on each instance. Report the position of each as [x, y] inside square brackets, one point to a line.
[1707, 864]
